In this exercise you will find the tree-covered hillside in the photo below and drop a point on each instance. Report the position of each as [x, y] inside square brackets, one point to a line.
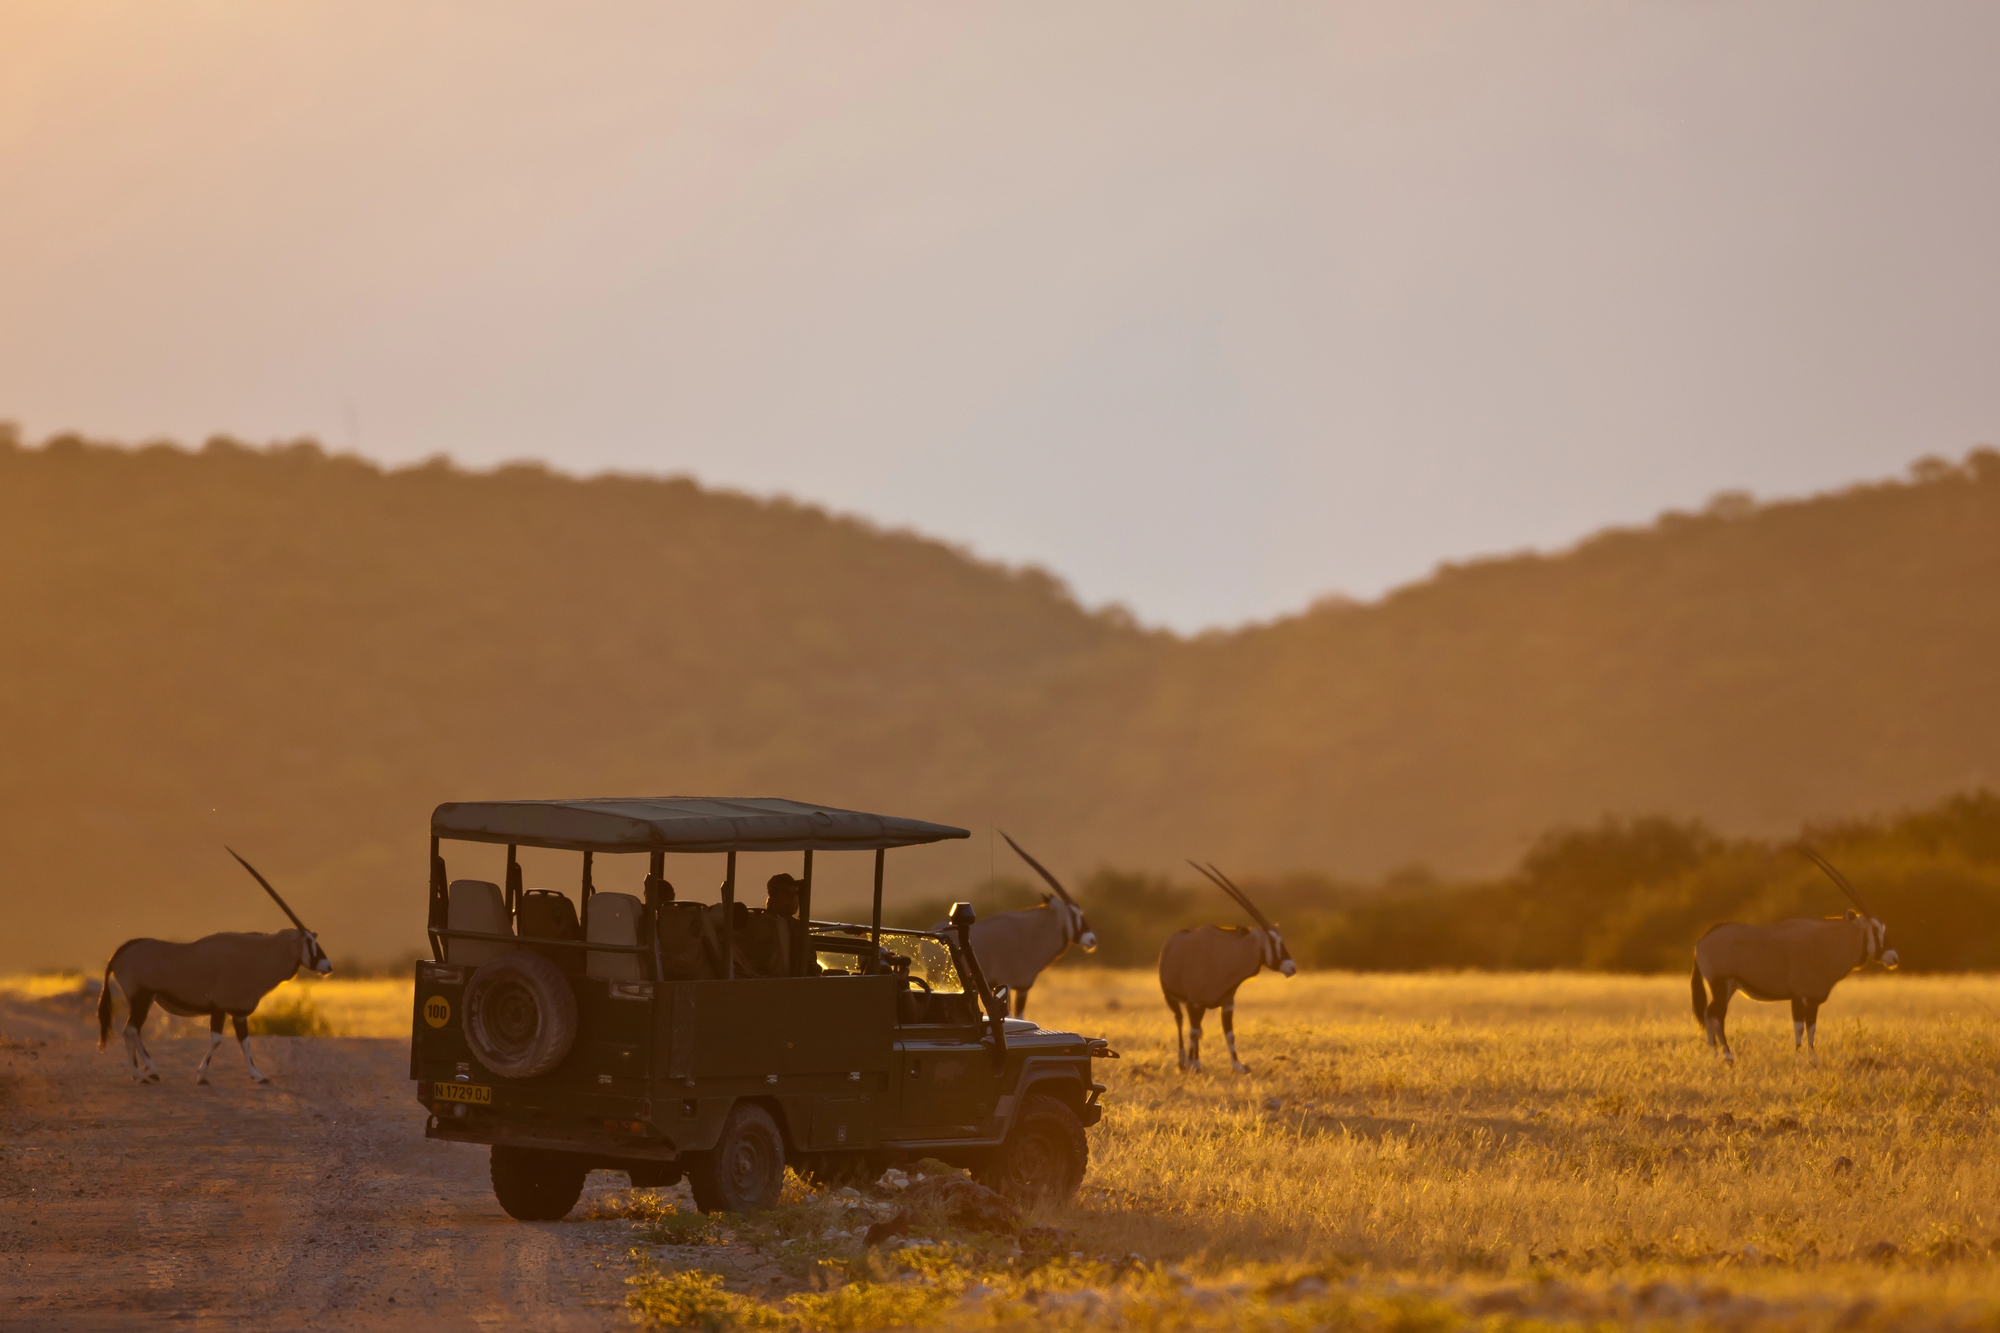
[301, 655]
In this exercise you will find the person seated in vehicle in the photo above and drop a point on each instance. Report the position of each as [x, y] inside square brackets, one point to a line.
[685, 954]
[781, 896]
[771, 943]
[763, 943]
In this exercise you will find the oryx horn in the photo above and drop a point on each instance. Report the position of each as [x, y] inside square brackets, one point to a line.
[1228, 886]
[1234, 895]
[1262, 920]
[1839, 879]
[1060, 890]
[267, 888]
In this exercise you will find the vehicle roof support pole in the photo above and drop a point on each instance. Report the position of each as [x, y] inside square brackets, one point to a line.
[729, 921]
[880, 854]
[587, 889]
[513, 880]
[805, 966]
[440, 902]
[656, 895]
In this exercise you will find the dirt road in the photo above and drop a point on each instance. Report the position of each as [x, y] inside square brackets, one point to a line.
[312, 1202]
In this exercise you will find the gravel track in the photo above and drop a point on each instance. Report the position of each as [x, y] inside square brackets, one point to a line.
[312, 1202]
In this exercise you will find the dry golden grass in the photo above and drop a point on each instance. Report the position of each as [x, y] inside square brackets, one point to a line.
[1486, 1125]
[1445, 1151]
[40, 985]
[371, 1007]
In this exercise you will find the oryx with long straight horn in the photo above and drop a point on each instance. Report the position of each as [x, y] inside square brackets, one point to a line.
[217, 975]
[1014, 947]
[1201, 967]
[1799, 960]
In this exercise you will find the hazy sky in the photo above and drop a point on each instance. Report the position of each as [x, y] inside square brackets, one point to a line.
[1210, 309]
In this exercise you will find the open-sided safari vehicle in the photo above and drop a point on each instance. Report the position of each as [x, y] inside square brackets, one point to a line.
[722, 1042]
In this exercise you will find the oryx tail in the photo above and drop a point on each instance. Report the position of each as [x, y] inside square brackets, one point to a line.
[104, 998]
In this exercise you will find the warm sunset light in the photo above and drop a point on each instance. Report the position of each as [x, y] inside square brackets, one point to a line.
[994, 667]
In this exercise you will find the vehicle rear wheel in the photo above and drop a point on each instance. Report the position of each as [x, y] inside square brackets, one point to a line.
[537, 1186]
[520, 1015]
[745, 1171]
[1044, 1157]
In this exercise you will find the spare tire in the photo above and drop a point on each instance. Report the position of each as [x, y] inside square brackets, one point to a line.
[520, 1015]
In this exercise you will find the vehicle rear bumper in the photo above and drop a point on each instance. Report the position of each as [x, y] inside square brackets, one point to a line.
[600, 1147]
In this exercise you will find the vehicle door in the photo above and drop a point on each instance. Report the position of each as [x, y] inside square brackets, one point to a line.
[944, 1073]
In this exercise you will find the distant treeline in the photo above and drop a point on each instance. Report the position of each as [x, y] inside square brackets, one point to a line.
[1621, 896]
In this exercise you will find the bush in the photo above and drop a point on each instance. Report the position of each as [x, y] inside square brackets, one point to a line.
[293, 1016]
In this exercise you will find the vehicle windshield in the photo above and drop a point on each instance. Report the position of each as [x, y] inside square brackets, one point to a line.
[930, 960]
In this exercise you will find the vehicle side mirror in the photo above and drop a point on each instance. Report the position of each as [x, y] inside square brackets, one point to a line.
[962, 915]
[1000, 995]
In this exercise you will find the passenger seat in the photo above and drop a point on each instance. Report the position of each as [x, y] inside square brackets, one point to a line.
[477, 904]
[612, 918]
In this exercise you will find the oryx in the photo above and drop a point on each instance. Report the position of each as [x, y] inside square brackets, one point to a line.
[1798, 960]
[216, 975]
[1014, 947]
[1201, 967]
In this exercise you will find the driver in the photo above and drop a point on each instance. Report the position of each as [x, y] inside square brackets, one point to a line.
[908, 1003]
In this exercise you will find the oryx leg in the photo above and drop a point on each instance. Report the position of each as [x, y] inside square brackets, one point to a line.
[242, 1024]
[1229, 1034]
[1020, 999]
[1180, 1036]
[1195, 1012]
[143, 1069]
[1718, 1019]
[214, 1040]
[1798, 1025]
[1812, 1028]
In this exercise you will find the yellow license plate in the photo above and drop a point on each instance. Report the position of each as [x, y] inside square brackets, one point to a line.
[464, 1092]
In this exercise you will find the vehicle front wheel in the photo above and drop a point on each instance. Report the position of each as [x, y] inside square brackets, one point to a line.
[745, 1171]
[1044, 1157]
[537, 1186]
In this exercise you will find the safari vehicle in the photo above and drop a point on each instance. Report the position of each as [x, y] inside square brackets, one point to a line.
[718, 1041]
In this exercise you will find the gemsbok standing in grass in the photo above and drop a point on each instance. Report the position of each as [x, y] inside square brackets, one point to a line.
[1014, 947]
[217, 975]
[1201, 967]
[1799, 960]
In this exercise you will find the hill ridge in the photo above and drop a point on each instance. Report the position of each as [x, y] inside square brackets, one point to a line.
[306, 651]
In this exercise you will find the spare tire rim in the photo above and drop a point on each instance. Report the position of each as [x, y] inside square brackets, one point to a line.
[513, 1017]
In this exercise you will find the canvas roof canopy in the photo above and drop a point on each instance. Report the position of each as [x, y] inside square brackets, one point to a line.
[681, 824]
